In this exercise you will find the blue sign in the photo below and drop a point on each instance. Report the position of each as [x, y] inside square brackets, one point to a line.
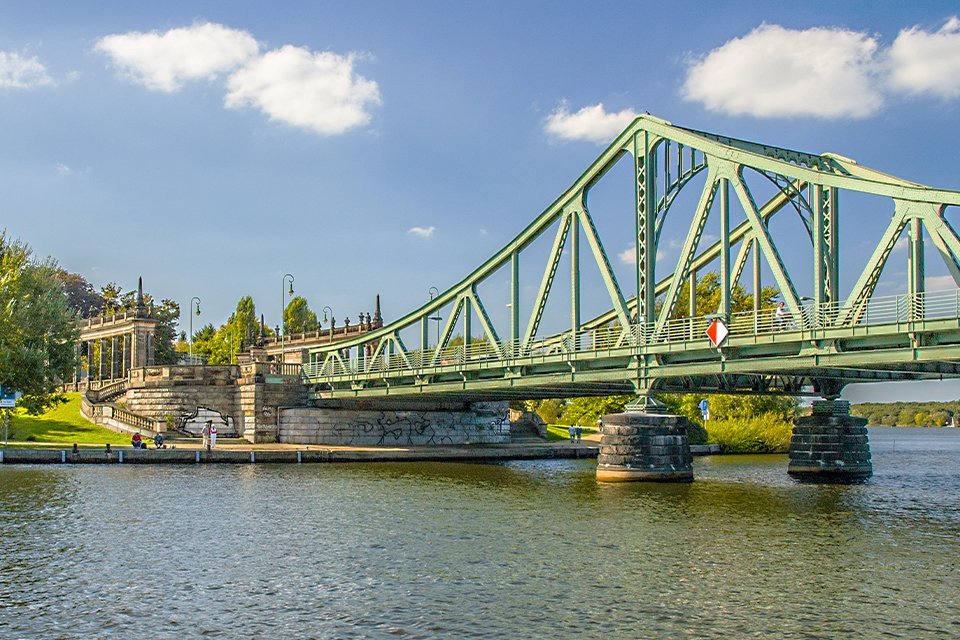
[8, 397]
[704, 409]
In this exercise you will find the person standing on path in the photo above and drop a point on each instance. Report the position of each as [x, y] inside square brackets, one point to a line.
[213, 435]
[579, 433]
[205, 432]
[572, 432]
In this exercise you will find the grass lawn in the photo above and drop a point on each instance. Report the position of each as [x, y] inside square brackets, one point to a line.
[62, 424]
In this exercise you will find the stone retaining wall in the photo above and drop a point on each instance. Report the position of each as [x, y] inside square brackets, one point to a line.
[479, 423]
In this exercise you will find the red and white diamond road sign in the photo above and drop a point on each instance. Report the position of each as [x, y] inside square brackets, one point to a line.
[717, 332]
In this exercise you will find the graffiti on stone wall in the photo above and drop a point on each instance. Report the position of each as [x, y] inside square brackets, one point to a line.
[192, 423]
[406, 428]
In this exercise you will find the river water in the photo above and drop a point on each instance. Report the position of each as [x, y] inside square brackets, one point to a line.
[523, 549]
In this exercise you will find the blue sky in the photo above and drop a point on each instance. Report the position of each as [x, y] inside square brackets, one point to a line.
[387, 147]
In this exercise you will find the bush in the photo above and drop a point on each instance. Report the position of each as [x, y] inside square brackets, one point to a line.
[696, 433]
[30, 438]
[766, 433]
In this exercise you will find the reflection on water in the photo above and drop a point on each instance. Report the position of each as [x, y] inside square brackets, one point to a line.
[458, 550]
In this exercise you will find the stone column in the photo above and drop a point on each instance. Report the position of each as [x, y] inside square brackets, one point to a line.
[101, 360]
[89, 361]
[134, 347]
[637, 447]
[830, 445]
[113, 357]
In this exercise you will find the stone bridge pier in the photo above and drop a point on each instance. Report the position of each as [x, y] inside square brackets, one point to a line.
[830, 445]
[638, 447]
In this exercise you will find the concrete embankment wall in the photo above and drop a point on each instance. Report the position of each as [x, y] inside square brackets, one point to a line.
[480, 453]
[411, 425]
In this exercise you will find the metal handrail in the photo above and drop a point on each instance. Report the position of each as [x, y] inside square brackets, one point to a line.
[879, 310]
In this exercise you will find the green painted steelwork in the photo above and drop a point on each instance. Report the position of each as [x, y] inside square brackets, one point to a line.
[646, 342]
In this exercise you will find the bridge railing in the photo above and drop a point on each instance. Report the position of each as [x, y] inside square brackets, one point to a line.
[879, 310]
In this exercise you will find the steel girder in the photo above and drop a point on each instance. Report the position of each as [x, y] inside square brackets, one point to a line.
[665, 160]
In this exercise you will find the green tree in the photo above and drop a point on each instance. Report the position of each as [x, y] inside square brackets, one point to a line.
[586, 411]
[708, 297]
[549, 410]
[165, 335]
[297, 317]
[83, 298]
[37, 326]
[220, 345]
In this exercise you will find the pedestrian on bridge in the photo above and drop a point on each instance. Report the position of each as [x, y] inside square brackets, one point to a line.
[782, 317]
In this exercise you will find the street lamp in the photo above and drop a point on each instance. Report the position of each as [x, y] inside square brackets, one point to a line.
[434, 292]
[283, 306]
[327, 310]
[194, 304]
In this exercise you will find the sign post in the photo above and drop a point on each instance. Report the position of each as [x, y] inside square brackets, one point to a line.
[704, 409]
[8, 400]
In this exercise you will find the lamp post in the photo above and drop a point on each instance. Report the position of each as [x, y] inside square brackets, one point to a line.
[283, 306]
[194, 304]
[434, 292]
[327, 310]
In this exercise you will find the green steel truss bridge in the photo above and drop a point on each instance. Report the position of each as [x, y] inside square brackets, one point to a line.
[645, 342]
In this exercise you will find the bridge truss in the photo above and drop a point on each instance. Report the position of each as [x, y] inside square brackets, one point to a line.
[645, 341]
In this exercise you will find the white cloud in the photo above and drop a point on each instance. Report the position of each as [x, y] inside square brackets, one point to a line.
[629, 256]
[315, 91]
[593, 124]
[924, 62]
[164, 61]
[17, 72]
[940, 283]
[63, 169]
[777, 72]
[421, 232]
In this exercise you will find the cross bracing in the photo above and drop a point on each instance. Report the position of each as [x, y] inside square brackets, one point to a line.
[644, 341]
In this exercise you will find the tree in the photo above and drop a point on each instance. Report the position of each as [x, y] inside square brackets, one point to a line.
[37, 326]
[708, 297]
[220, 345]
[83, 298]
[730, 407]
[549, 410]
[298, 318]
[165, 335]
[586, 411]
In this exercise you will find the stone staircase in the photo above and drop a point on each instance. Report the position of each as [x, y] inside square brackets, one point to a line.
[526, 427]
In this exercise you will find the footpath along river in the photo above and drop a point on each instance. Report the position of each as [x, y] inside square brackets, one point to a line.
[521, 549]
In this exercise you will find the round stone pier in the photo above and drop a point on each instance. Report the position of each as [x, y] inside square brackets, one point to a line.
[830, 445]
[644, 447]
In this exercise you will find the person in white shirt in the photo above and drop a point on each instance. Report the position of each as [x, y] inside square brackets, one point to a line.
[782, 317]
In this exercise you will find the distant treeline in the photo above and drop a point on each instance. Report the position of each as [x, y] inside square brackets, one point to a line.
[908, 414]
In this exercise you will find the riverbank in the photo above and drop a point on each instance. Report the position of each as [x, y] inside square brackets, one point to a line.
[279, 453]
